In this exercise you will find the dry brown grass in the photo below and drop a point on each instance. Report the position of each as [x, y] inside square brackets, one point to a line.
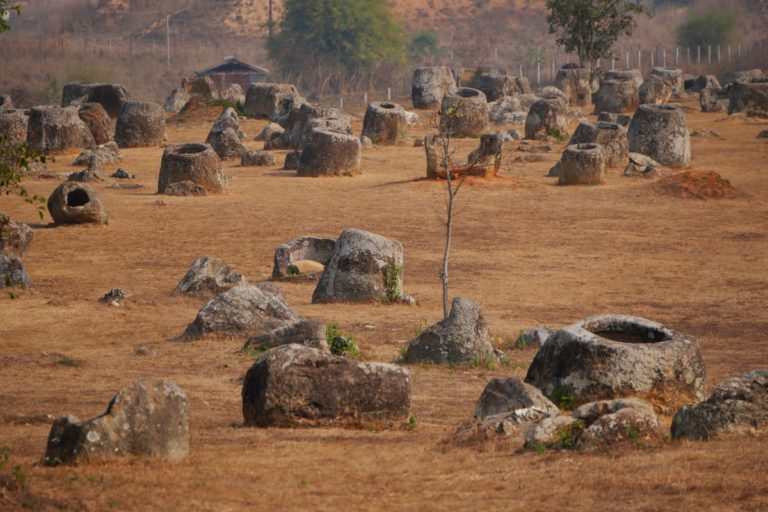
[528, 251]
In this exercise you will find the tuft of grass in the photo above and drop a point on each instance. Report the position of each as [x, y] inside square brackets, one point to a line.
[568, 436]
[412, 423]
[392, 274]
[563, 399]
[292, 270]
[221, 102]
[487, 362]
[340, 344]
[556, 134]
[67, 361]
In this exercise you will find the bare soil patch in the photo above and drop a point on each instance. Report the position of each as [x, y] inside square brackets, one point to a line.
[697, 185]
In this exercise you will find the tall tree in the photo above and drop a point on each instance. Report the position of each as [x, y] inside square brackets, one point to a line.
[336, 37]
[5, 13]
[590, 28]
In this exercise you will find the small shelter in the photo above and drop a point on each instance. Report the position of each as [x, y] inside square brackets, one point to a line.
[234, 71]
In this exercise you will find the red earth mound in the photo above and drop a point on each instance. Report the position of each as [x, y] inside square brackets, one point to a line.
[697, 185]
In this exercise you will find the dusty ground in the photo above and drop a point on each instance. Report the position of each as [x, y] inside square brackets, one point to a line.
[528, 251]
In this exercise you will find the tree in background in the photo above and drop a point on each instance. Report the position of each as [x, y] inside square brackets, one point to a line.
[5, 13]
[590, 28]
[339, 40]
[423, 46]
[711, 28]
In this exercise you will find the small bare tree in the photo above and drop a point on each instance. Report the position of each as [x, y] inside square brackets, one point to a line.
[453, 184]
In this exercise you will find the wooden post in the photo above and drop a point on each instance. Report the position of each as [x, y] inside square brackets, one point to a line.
[538, 73]
[168, 42]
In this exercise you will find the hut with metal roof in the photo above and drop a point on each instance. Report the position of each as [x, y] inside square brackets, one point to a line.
[234, 71]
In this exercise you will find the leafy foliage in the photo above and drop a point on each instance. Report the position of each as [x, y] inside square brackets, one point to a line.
[340, 344]
[14, 159]
[6, 9]
[591, 27]
[707, 29]
[392, 273]
[423, 45]
[339, 35]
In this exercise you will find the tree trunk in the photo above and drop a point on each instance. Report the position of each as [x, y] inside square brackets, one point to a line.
[448, 226]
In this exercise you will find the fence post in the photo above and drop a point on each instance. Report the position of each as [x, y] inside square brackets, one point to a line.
[389, 94]
[365, 98]
[640, 60]
[698, 55]
[664, 56]
[538, 73]
[689, 55]
[677, 55]
[652, 59]
[553, 70]
[521, 71]
[729, 53]
[613, 63]
[627, 60]
[738, 51]
[719, 60]
[709, 54]
[341, 102]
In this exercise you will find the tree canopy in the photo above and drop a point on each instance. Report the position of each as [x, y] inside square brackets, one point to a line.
[590, 28]
[712, 28]
[340, 35]
[5, 12]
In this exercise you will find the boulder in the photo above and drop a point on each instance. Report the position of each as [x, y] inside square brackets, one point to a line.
[107, 153]
[14, 124]
[146, 418]
[266, 132]
[76, 203]
[209, 275]
[641, 166]
[385, 123]
[612, 356]
[363, 267]
[102, 126]
[533, 337]
[200, 86]
[742, 76]
[293, 385]
[225, 136]
[330, 153]
[554, 432]
[610, 422]
[576, 83]
[114, 298]
[140, 124]
[701, 82]
[176, 101]
[464, 113]
[714, 100]
[661, 132]
[750, 97]
[512, 400]
[241, 311]
[185, 188]
[674, 77]
[635, 75]
[234, 93]
[263, 99]
[122, 174]
[506, 110]
[495, 86]
[57, 129]
[582, 164]
[610, 136]
[738, 405]
[257, 159]
[307, 333]
[292, 161]
[429, 85]
[546, 118]
[196, 163]
[305, 248]
[110, 96]
[615, 95]
[6, 102]
[310, 117]
[13, 274]
[458, 339]
[486, 159]
[655, 91]
[15, 237]
[288, 111]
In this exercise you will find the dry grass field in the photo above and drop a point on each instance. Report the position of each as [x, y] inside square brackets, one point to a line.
[528, 251]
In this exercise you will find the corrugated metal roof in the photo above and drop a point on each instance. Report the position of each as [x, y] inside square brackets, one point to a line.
[233, 65]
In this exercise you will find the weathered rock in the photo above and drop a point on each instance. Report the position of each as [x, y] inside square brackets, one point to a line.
[634, 75]
[6, 102]
[674, 77]
[556, 432]
[641, 166]
[618, 94]
[13, 274]
[655, 91]
[304, 332]
[582, 164]
[292, 160]
[241, 311]
[14, 125]
[739, 405]
[141, 124]
[535, 336]
[714, 100]
[613, 356]
[617, 421]
[742, 76]
[209, 275]
[110, 96]
[329, 153]
[461, 338]
[610, 136]
[301, 249]
[549, 92]
[429, 85]
[200, 86]
[224, 137]
[107, 153]
[701, 82]
[257, 159]
[310, 117]
[546, 118]
[506, 110]
[288, 111]
[185, 188]
[114, 297]
[385, 123]
[464, 112]
[750, 97]
[263, 99]
[196, 163]
[15, 237]
[292, 386]
[661, 132]
[146, 418]
[763, 134]
[266, 132]
[496, 86]
[102, 127]
[76, 203]
[514, 401]
[363, 267]
[57, 129]
[176, 101]
[576, 83]
[235, 94]
[486, 159]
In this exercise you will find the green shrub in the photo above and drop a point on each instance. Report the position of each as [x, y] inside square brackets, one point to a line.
[708, 29]
[340, 344]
